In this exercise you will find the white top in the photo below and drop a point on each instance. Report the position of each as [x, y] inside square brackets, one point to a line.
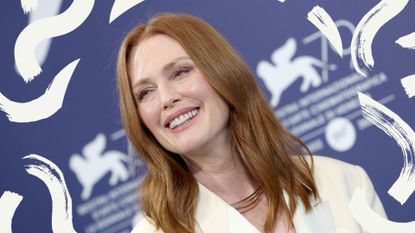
[336, 181]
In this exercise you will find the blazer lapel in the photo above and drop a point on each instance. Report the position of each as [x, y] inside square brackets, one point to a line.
[319, 219]
[213, 215]
[238, 223]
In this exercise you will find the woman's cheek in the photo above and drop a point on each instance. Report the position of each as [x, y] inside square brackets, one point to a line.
[150, 116]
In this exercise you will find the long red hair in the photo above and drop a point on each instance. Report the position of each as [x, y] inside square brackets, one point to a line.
[169, 191]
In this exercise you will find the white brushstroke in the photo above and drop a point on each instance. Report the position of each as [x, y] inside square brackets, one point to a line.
[408, 83]
[322, 20]
[371, 221]
[54, 180]
[407, 41]
[121, 6]
[369, 25]
[46, 8]
[282, 1]
[9, 202]
[28, 5]
[27, 41]
[44, 106]
[398, 129]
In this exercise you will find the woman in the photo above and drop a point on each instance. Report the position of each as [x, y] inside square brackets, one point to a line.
[218, 160]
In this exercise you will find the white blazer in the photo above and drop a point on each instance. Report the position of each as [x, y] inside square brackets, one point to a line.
[336, 181]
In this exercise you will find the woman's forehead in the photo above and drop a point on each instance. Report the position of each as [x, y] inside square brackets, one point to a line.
[154, 54]
[158, 46]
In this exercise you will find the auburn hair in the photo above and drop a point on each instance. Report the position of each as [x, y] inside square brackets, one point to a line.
[168, 194]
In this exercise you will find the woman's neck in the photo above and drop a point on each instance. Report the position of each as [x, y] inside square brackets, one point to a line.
[223, 173]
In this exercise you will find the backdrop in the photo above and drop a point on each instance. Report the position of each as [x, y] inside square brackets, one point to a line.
[65, 163]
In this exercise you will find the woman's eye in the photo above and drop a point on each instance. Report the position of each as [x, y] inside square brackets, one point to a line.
[143, 94]
[182, 71]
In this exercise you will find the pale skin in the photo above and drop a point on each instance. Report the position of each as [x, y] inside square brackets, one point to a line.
[166, 82]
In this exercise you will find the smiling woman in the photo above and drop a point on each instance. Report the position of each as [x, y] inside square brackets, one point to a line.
[218, 160]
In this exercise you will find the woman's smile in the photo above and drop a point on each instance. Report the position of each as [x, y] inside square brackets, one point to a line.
[182, 119]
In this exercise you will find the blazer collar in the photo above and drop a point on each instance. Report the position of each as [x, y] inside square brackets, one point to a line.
[213, 215]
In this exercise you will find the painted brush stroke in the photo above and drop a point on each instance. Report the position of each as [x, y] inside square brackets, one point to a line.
[9, 202]
[44, 106]
[45, 8]
[394, 126]
[121, 6]
[54, 180]
[369, 25]
[407, 41]
[408, 84]
[371, 221]
[28, 5]
[28, 40]
[322, 20]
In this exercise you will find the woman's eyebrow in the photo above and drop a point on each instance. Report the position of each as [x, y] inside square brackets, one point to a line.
[166, 68]
[139, 83]
[170, 65]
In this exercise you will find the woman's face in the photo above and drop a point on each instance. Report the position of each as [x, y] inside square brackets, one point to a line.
[174, 100]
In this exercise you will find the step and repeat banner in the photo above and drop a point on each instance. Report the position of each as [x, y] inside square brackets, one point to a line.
[338, 74]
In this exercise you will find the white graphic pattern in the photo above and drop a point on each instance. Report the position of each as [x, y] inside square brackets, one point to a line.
[367, 28]
[284, 70]
[407, 41]
[322, 20]
[27, 41]
[394, 126]
[44, 106]
[95, 164]
[371, 221]
[408, 84]
[54, 180]
[45, 9]
[9, 202]
[361, 47]
[121, 6]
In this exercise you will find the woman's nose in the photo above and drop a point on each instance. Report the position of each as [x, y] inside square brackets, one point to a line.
[168, 96]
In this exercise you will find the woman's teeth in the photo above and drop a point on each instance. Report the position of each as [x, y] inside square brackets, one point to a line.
[183, 118]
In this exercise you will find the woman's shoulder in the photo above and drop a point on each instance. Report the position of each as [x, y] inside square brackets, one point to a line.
[325, 161]
[324, 164]
[329, 170]
[337, 180]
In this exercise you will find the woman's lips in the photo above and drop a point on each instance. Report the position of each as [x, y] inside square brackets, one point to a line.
[186, 124]
[178, 113]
